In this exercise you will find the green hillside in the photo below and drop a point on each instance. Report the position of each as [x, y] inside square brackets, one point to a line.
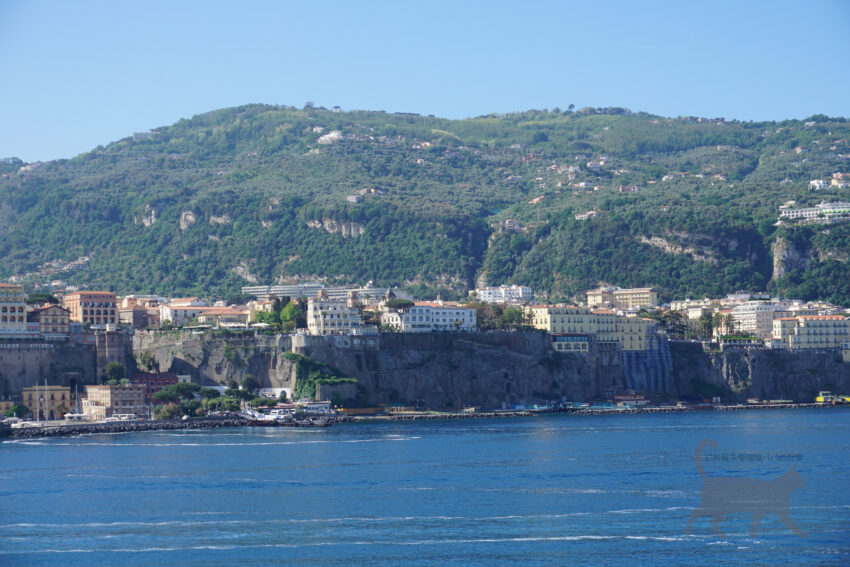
[266, 193]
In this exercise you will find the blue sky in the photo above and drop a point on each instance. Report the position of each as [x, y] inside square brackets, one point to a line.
[80, 74]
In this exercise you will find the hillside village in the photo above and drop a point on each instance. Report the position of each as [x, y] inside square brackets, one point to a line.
[611, 319]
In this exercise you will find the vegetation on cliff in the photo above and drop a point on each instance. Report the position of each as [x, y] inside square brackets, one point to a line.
[310, 373]
[265, 193]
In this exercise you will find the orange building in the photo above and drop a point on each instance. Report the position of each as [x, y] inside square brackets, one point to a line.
[93, 307]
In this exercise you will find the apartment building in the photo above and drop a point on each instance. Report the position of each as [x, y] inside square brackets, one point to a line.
[821, 213]
[53, 321]
[13, 312]
[756, 317]
[504, 294]
[104, 400]
[811, 332]
[179, 311]
[632, 298]
[224, 317]
[92, 307]
[600, 326]
[326, 316]
[47, 402]
[425, 316]
[153, 382]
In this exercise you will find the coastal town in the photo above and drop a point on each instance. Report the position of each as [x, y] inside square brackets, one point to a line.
[629, 322]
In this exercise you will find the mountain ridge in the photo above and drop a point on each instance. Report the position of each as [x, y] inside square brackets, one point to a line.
[263, 193]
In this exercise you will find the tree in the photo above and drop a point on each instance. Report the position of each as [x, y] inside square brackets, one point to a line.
[190, 407]
[262, 402]
[39, 297]
[186, 390]
[250, 383]
[176, 393]
[706, 324]
[209, 393]
[515, 318]
[240, 299]
[167, 411]
[239, 394]
[166, 395]
[114, 371]
[289, 313]
[400, 304]
[17, 411]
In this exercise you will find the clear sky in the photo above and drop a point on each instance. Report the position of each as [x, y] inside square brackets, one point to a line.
[83, 73]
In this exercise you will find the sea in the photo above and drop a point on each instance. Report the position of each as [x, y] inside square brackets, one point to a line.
[550, 490]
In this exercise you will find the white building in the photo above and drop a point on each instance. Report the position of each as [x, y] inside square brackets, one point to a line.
[368, 294]
[424, 317]
[811, 332]
[823, 213]
[326, 316]
[181, 310]
[757, 317]
[504, 294]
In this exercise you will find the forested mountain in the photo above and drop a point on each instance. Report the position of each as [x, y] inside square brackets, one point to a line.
[270, 194]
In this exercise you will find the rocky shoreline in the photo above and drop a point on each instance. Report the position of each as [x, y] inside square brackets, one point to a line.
[66, 430]
[413, 416]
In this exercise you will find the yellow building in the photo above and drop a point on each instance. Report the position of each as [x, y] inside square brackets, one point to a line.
[53, 321]
[635, 298]
[632, 298]
[602, 326]
[13, 311]
[224, 317]
[812, 332]
[47, 402]
[93, 307]
[104, 401]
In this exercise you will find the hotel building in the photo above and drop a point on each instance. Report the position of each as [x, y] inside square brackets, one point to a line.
[92, 307]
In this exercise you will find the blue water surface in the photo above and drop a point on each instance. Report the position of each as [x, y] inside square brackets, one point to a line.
[555, 490]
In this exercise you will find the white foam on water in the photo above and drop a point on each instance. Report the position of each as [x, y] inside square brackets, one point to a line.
[418, 542]
[232, 444]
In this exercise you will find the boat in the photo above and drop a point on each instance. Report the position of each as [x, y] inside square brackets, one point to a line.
[825, 397]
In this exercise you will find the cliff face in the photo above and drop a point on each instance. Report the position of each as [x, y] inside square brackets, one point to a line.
[488, 369]
[22, 364]
[757, 373]
[212, 360]
[439, 369]
[788, 257]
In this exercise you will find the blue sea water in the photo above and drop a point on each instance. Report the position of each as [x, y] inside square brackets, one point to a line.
[555, 490]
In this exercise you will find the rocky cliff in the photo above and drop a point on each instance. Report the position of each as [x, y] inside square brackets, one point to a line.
[488, 369]
[215, 359]
[757, 373]
[788, 256]
[439, 369]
